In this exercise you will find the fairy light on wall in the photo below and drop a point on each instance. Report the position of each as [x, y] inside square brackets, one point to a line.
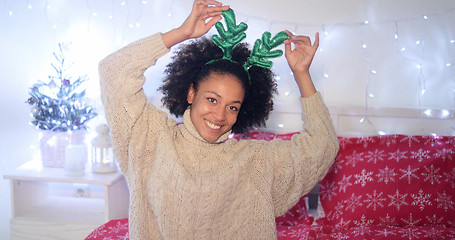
[132, 22]
[370, 74]
[321, 52]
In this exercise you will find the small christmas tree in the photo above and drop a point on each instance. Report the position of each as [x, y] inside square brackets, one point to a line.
[59, 105]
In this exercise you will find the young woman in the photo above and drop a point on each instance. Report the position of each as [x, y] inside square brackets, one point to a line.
[190, 181]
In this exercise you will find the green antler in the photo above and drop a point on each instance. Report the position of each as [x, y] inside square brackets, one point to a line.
[262, 50]
[230, 38]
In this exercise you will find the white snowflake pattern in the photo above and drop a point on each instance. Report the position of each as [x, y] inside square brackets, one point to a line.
[353, 202]
[434, 220]
[398, 155]
[411, 222]
[432, 140]
[336, 212]
[344, 142]
[328, 190]
[377, 155]
[118, 227]
[97, 232]
[385, 232]
[388, 221]
[388, 140]
[374, 200]
[337, 164]
[450, 177]
[420, 154]
[354, 158]
[386, 175]
[360, 231]
[363, 221]
[444, 154]
[364, 141]
[398, 200]
[410, 233]
[445, 201]
[421, 199]
[363, 177]
[298, 233]
[126, 237]
[344, 183]
[409, 173]
[433, 233]
[450, 141]
[410, 139]
[342, 225]
[432, 175]
[111, 238]
[339, 235]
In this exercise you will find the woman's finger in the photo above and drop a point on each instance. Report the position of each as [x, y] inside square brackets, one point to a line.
[316, 40]
[213, 2]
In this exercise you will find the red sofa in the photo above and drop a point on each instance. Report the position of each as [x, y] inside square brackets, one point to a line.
[379, 187]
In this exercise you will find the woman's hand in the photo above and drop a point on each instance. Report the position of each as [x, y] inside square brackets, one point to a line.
[195, 25]
[299, 60]
[203, 16]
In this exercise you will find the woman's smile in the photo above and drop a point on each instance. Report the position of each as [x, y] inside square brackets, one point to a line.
[215, 105]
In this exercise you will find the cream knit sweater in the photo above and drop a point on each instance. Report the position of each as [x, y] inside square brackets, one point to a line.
[183, 187]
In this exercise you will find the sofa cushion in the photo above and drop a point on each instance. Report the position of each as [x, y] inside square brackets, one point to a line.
[393, 180]
[318, 232]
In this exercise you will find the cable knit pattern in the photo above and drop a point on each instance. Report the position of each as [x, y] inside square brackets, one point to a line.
[183, 187]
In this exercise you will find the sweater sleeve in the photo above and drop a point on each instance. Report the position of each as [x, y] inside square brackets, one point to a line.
[299, 164]
[122, 78]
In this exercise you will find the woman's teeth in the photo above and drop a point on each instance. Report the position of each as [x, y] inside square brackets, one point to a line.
[212, 126]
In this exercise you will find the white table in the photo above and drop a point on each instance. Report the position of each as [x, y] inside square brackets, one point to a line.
[48, 204]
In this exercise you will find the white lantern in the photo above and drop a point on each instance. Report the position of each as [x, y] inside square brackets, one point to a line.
[103, 160]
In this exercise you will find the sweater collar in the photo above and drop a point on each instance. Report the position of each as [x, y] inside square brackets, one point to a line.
[189, 126]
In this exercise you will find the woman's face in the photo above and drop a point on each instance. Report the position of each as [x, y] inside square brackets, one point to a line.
[215, 105]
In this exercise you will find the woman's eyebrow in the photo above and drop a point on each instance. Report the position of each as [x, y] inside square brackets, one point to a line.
[218, 95]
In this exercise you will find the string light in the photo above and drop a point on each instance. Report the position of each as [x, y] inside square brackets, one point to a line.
[417, 59]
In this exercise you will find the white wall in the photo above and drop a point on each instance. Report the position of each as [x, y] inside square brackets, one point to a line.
[343, 69]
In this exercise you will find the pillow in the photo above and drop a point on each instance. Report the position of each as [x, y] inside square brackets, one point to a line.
[393, 180]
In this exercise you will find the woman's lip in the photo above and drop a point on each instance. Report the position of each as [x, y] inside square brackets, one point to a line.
[212, 126]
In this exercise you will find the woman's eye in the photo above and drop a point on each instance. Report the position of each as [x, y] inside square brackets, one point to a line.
[212, 100]
[234, 108]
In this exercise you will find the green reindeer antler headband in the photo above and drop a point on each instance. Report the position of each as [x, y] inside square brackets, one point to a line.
[234, 34]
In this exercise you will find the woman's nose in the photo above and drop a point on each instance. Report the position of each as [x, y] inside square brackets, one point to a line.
[220, 113]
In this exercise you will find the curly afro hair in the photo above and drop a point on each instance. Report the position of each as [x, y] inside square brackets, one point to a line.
[189, 66]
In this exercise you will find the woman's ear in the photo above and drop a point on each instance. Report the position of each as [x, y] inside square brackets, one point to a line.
[190, 95]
